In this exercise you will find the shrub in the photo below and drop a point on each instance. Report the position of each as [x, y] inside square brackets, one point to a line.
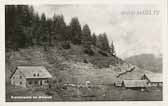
[66, 45]
[85, 61]
[89, 51]
[103, 53]
[49, 93]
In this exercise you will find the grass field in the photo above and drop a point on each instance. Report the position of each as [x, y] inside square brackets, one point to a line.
[99, 93]
[67, 66]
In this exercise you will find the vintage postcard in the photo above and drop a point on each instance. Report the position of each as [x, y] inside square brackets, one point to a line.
[83, 52]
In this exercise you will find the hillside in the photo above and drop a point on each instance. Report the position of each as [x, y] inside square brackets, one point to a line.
[70, 66]
[146, 61]
[60, 62]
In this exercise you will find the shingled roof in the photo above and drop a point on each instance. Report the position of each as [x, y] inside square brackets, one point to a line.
[135, 83]
[154, 77]
[34, 71]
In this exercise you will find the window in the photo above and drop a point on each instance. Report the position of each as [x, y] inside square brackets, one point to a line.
[20, 83]
[38, 74]
[30, 82]
[34, 75]
[20, 77]
[36, 82]
[46, 81]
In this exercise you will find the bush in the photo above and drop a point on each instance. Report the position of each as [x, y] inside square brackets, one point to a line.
[66, 45]
[49, 93]
[85, 61]
[89, 51]
[103, 53]
[46, 48]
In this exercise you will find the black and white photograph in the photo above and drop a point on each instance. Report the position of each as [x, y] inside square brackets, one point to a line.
[83, 52]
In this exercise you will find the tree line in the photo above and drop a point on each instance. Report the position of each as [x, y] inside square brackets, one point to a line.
[25, 28]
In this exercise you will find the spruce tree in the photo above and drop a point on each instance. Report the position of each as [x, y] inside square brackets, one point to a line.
[86, 36]
[112, 49]
[94, 39]
[75, 31]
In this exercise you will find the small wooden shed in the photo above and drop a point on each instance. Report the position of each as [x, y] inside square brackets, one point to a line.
[134, 84]
[118, 83]
[153, 80]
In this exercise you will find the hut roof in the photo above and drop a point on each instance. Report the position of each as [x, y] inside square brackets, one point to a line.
[34, 71]
[135, 83]
[154, 77]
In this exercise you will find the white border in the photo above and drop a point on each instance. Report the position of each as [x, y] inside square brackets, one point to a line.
[79, 1]
[114, 103]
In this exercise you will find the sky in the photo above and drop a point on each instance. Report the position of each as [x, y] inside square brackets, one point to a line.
[132, 33]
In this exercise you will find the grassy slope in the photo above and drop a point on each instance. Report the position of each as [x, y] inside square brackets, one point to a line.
[67, 66]
[147, 61]
[63, 64]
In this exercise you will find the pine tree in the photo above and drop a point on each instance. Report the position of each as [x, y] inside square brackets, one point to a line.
[10, 19]
[112, 49]
[103, 42]
[36, 29]
[67, 33]
[59, 27]
[75, 31]
[99, 41]
[49, 31]
[86, 36]
[24, 28]
[43, 30]
[94, 39]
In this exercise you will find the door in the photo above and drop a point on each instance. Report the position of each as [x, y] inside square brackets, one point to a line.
[41, 83]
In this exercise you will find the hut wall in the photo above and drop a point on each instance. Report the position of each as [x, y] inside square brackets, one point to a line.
[18, 79]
